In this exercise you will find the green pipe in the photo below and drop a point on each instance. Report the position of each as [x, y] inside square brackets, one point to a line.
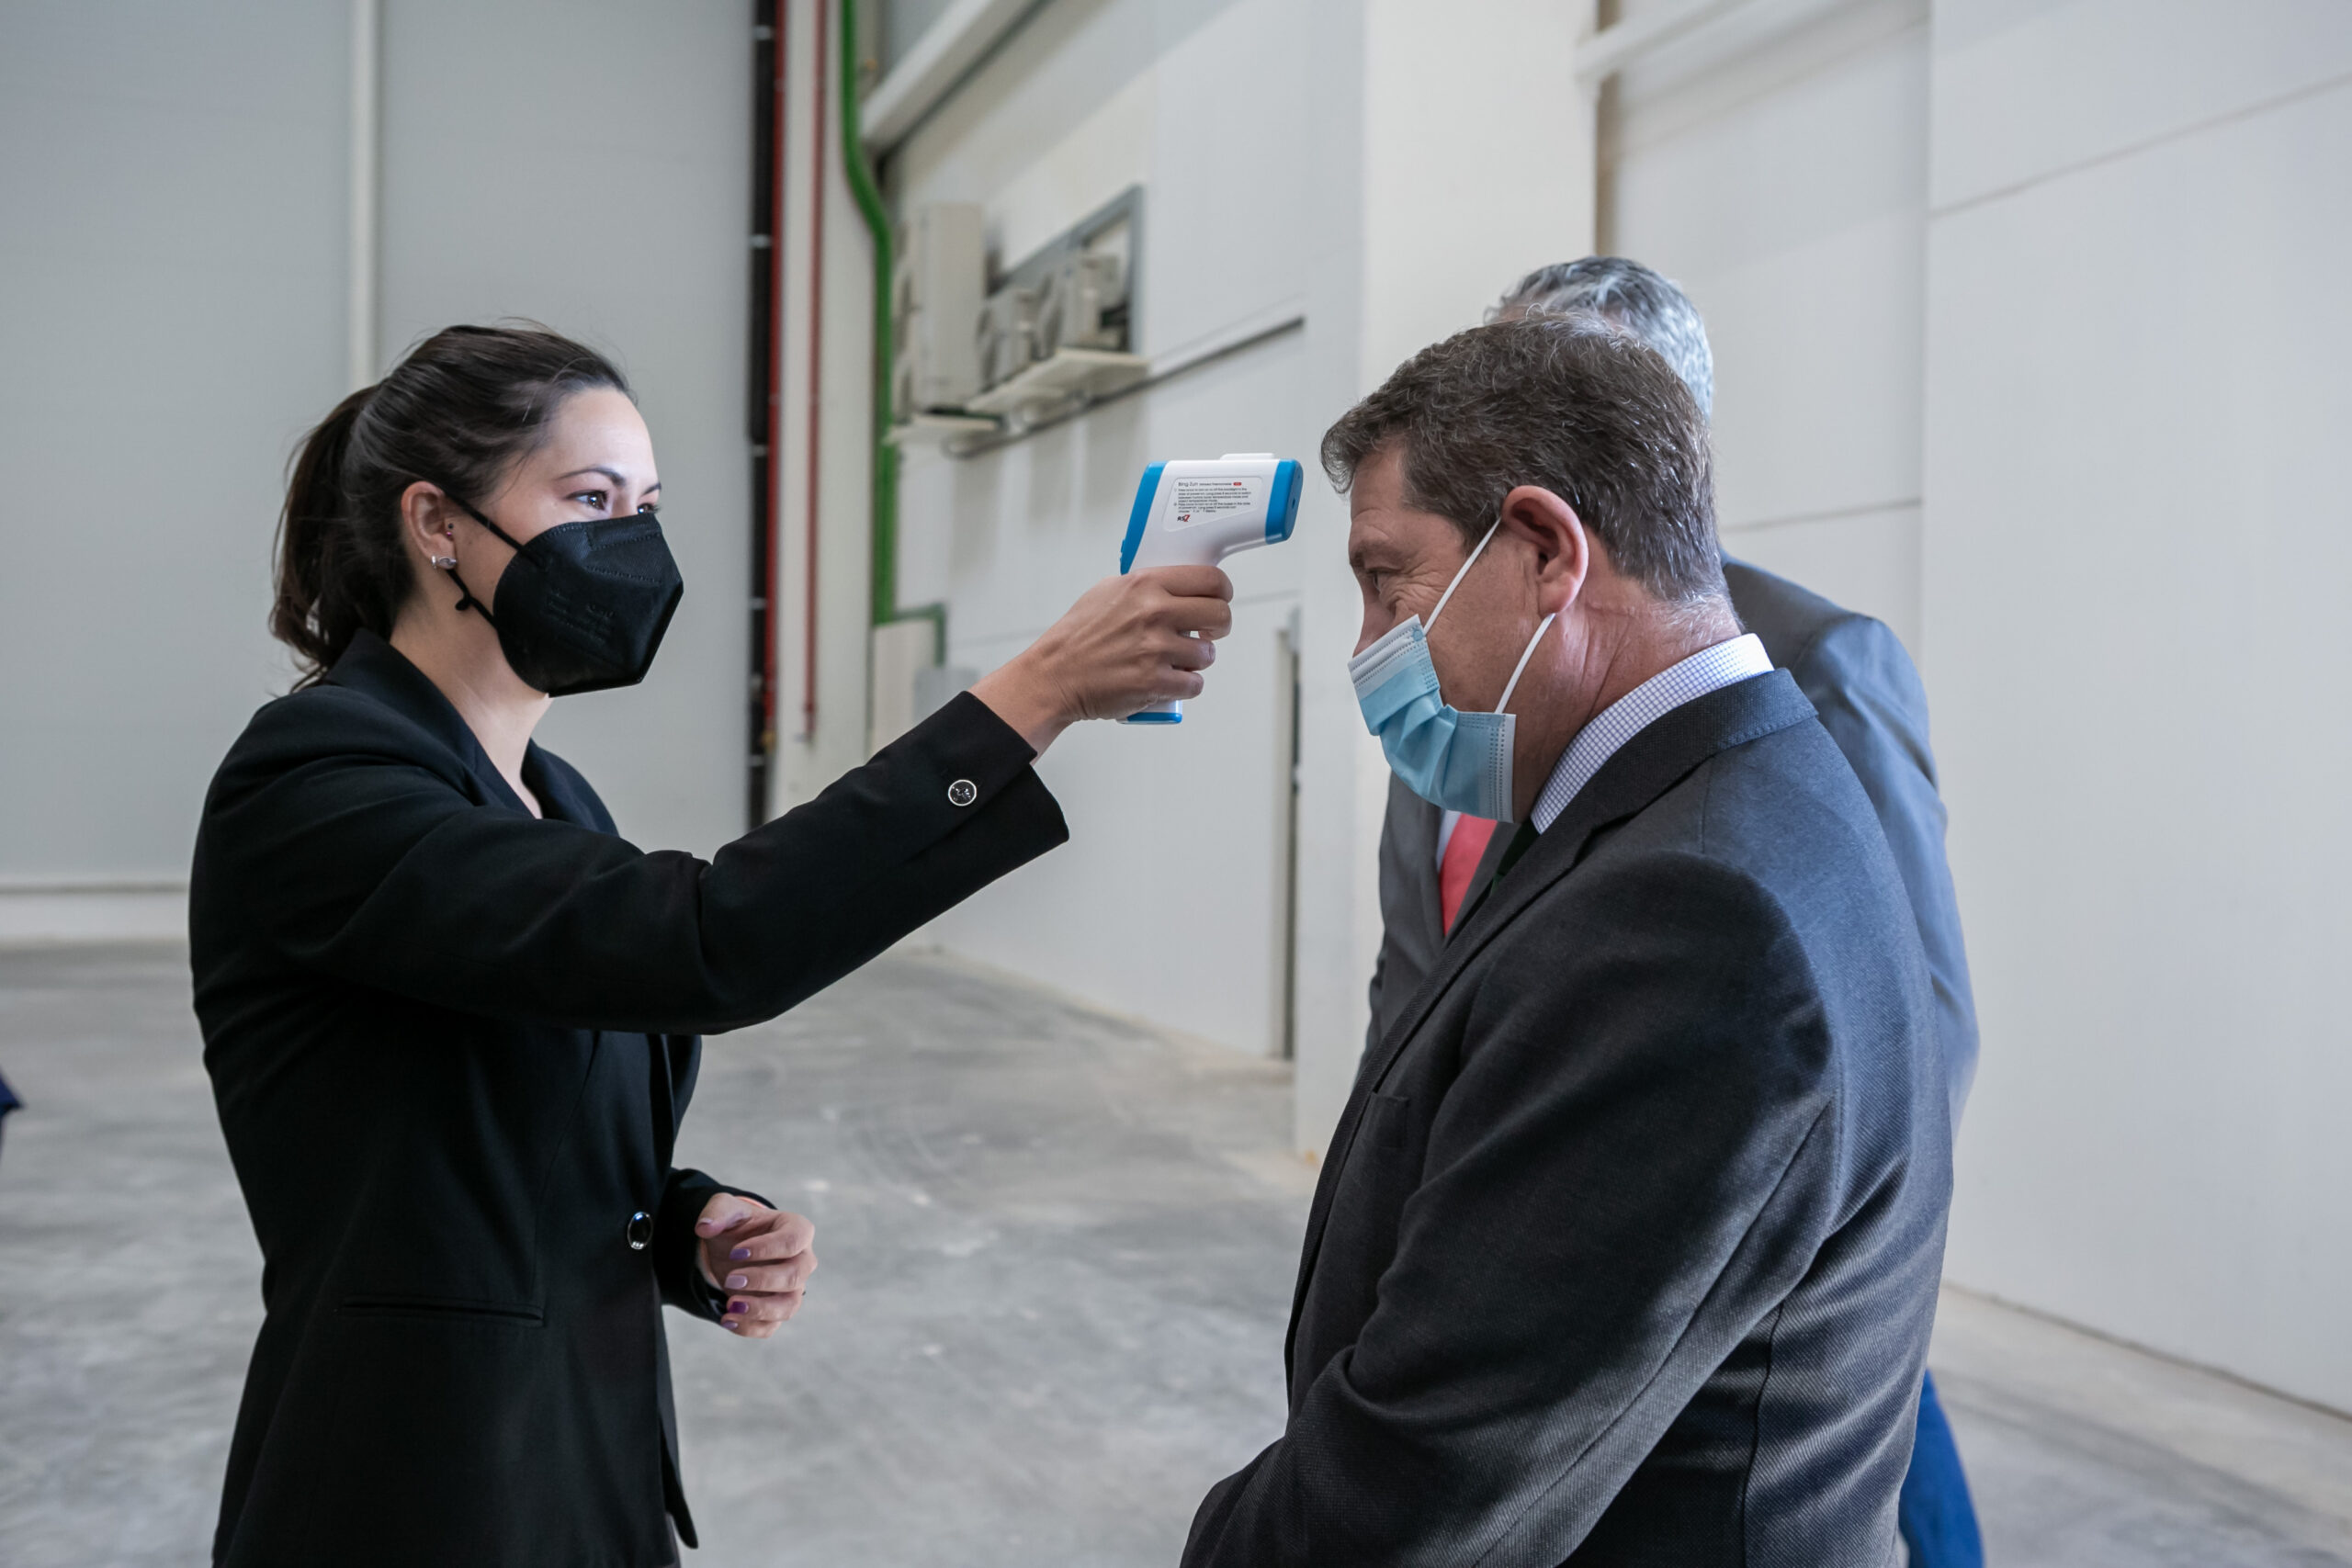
[885, 520]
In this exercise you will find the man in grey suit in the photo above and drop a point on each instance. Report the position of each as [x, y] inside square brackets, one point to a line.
[1862, 683]
[1626, 1247]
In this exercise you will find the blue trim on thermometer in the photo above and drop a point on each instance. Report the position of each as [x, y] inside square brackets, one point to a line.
[1148, 716]
[1281, 505]
[1139, 516]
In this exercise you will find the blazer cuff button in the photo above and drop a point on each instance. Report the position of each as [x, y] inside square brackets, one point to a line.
[962, 791]
[640, 1229]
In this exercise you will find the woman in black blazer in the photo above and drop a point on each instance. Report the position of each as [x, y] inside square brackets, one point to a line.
[450, 1016]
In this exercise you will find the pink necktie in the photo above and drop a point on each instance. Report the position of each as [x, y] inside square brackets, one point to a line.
[1464, 850]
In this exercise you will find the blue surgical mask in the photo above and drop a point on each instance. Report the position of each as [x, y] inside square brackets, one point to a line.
[1459, 760]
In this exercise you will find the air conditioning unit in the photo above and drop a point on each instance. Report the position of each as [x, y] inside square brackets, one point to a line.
[1084, 304]
[1006, 343]
[935, 301]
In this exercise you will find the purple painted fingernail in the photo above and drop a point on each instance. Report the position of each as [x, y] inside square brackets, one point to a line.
[738, 1281]
[734, 1307]
[740, 1254]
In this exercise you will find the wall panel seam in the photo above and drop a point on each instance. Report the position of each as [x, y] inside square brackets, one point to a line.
[2147, 144]
[1830, 515]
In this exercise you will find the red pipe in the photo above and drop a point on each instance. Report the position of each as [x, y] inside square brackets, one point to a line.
[816, 357]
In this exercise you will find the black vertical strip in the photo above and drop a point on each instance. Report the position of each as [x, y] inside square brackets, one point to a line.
[761, 392]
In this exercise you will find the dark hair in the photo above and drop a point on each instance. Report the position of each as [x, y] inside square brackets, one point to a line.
[1636, 299]
[459, 411]
[1576, 404]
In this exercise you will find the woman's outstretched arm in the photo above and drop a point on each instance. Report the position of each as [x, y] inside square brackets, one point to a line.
[346, 839]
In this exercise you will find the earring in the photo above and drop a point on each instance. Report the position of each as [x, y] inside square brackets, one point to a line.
[447, 563]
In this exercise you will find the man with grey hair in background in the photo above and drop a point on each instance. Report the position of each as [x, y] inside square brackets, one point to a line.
[1859, 679]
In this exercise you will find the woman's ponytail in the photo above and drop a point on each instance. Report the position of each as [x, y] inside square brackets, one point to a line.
[314, 614]
[459, 411]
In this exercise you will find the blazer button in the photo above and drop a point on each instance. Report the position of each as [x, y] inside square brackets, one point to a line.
[640, 1229]
[962, 791]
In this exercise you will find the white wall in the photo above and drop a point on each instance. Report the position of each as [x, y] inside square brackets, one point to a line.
[1165, 902]
[1781, 181]
[587, 163]
[1455, 154]
[173, 269]
[1365, 193]
[2029, 340]
[2136, 545]
[177, 270]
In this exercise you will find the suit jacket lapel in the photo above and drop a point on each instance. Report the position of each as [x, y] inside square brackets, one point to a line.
[1643, 768]
[1497, 843]
[1482, 882]
[1428, 909]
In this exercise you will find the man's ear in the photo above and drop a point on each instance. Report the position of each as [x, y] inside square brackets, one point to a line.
[1563, 549]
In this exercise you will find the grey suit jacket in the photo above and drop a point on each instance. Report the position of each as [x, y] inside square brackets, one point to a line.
[1626, 1248]
[1861, 682]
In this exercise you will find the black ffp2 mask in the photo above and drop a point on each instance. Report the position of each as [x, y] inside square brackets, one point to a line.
[583, 606]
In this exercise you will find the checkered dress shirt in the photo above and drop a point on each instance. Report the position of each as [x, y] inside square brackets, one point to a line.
[1709, 670]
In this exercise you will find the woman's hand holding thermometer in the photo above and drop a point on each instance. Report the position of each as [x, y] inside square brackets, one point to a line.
[1130, 640]
[1133, 647]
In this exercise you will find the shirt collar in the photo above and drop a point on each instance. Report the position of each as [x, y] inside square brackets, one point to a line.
[1709, 670]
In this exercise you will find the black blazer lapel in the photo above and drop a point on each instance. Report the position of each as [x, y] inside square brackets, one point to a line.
[1643, 768]
[374, 666]
[563, 796]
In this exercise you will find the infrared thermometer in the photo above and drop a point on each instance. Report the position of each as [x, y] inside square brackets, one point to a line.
[1196, 513]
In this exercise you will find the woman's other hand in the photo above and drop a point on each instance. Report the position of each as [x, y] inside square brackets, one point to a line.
[1127, 642]
[761, 1256]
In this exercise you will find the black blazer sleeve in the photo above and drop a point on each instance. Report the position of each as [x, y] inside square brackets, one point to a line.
[350, 852]
[1868, 693]
[1510, 1361]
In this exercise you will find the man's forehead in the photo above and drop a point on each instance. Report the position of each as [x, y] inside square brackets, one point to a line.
[1383, 530]
[1374, 533]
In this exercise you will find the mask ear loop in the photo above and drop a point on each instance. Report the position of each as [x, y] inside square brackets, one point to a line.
[1429, 623]
[1525, 654]
[465, 600]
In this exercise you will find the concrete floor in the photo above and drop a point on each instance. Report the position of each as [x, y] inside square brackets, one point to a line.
[1058, 1254]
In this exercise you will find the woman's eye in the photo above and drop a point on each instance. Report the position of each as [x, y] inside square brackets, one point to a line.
[649, 509]
[594, 498]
